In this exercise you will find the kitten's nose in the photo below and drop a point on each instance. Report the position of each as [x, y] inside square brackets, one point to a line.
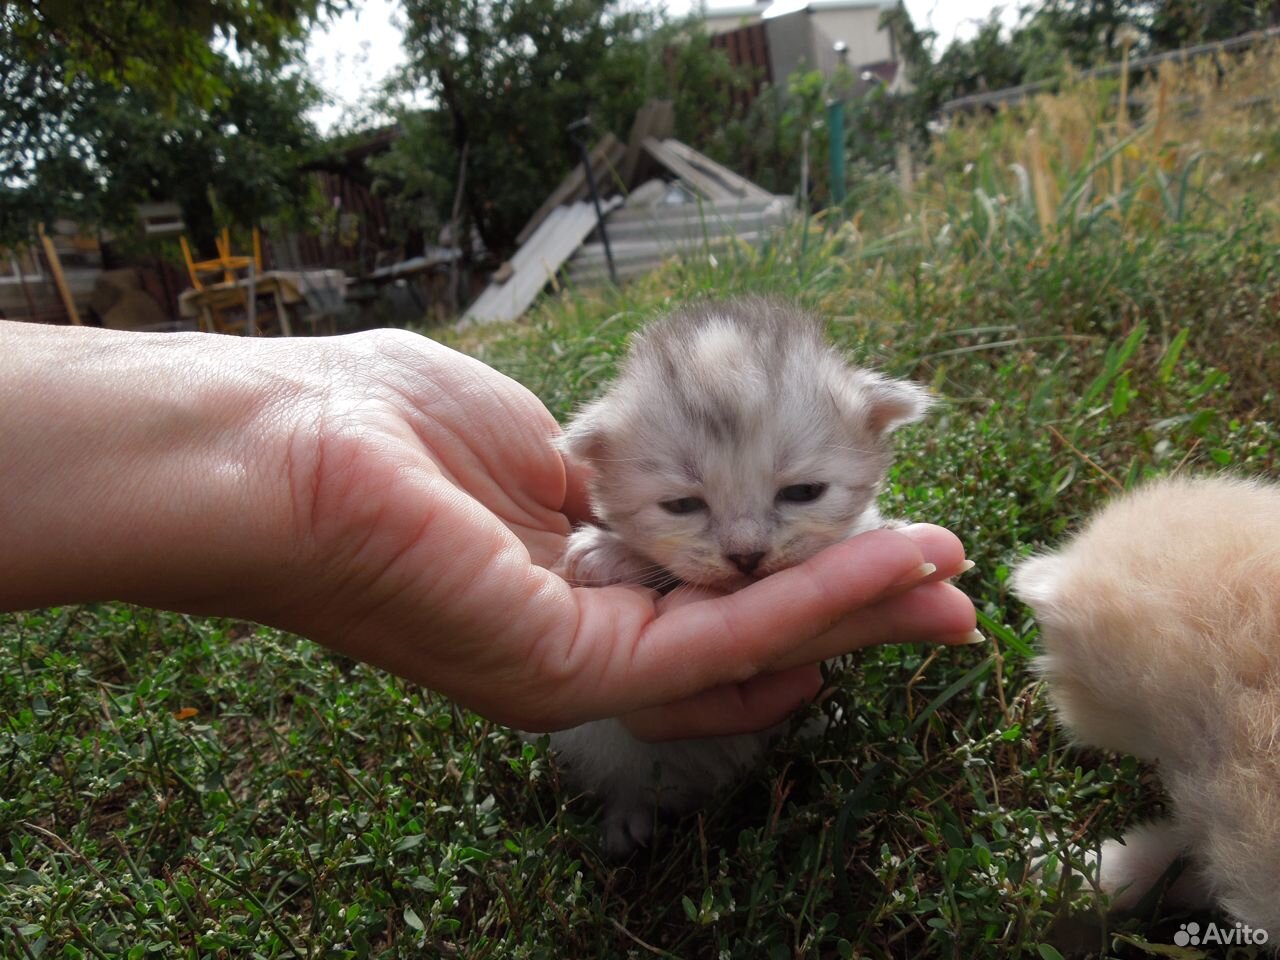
[746, 562]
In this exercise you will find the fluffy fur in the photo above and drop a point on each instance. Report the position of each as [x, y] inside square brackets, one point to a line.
[1161, 637]
[731, 415]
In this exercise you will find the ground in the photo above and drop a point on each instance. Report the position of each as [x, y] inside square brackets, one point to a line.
[179, 786]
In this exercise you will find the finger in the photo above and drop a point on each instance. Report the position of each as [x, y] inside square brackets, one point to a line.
[686, 594]
[784, 616]
[757, 704]
[940, 547]
[931, 613]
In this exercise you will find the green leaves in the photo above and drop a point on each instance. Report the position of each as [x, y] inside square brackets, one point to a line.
[161, 47]
[509, 78]
[131, 103]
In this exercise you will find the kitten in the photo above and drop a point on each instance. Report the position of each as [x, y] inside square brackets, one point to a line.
[1161, 636]
[735, 442]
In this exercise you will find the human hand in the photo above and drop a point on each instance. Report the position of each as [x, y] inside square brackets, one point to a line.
[401, 503]
[449, 504]
[918, 608]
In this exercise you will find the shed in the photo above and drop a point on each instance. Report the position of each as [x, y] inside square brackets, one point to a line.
[660, 199]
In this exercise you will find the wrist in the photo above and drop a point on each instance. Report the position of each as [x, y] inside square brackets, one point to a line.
[148, 468]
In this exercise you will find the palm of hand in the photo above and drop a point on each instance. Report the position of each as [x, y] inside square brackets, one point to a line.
[428, 500]
[429, 496]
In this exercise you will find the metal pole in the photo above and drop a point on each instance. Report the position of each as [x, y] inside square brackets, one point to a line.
[576, 133]
[835, 130]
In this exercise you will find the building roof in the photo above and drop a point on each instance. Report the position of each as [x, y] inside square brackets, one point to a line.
[737, 10]
[818, 6]
[850, 4]
[772, 9]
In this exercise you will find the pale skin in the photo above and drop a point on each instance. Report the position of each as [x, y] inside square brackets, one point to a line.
[404, 504]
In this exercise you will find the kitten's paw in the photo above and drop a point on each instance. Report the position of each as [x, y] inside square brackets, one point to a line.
[595, 557]
[1128, 870]
[626, 828]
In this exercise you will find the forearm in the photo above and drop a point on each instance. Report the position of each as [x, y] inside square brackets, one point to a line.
[139, 467]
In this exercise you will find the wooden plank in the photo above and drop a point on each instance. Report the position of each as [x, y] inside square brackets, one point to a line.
[735, 184]
[657, 119]
[536, 263]
[693, 178]
[487, 303]
[606, 154]
[55, 268]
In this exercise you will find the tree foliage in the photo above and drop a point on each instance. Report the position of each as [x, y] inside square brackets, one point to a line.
[509, 76]
[163, 46]
[90, 151]
[93, 127]
[1053, 34]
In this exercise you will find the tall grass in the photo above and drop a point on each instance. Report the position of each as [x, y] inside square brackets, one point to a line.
[1084, 330]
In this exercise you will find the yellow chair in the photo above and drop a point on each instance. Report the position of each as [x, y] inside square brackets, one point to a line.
[216, 299]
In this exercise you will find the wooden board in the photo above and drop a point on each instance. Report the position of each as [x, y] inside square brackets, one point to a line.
[55, 268]
[736, 185]
[656, 119]
[535, 263]
[604, 159]
[701, 184]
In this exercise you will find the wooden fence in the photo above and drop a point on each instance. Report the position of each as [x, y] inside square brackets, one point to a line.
[747, 49]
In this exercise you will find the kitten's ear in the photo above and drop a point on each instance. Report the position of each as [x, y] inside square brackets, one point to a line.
[885, 404]
[1036, 582]
[584, 437]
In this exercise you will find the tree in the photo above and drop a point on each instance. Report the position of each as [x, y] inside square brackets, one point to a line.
[162, 46]
[1088, 28]
[1181, 23]
[1054, 33]
[106, 105]
[85, 149]
[509, 76]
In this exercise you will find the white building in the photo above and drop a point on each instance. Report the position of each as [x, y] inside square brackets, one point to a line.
[808, 36]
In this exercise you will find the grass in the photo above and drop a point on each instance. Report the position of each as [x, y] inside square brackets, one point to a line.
[173, 786]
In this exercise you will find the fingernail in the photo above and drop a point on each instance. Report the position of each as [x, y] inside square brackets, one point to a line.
[964, 639]
[918, 574]
[967, 566]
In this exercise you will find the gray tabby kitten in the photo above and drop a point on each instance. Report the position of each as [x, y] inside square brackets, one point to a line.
[735, 442]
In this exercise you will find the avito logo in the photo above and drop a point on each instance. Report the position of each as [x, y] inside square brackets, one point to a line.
[1190, 934]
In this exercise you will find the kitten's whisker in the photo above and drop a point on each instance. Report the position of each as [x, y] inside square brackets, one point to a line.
[682, 586]
[602, 581]
[640, 575]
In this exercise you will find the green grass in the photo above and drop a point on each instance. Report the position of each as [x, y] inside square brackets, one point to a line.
[185, 787]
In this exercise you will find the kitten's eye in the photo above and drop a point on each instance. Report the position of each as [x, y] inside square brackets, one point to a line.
[684, 505]
[801, 492]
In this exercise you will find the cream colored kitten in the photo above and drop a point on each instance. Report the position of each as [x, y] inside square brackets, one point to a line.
[735, 442]
[1161, 637]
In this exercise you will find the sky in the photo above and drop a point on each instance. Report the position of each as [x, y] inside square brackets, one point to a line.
[351, 56]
